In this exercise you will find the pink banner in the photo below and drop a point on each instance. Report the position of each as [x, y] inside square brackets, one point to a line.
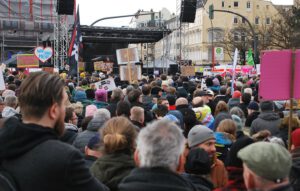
[275, 75]
[297, 76]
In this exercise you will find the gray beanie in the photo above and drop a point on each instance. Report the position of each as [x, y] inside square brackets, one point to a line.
[199, 134]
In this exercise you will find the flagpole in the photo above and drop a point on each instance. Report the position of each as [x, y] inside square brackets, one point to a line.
[78, 73]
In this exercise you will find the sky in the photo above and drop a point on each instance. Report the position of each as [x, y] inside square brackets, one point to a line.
[91, 10]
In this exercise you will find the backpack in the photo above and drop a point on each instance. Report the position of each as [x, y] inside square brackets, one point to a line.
[7, 182]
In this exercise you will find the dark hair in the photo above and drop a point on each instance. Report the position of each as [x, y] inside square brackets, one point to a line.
[85, 122]
[38, 92]
[246, 98]
[161, 110]
[69, 114]
[267, 106]
[134, 95]
[12, 87]
[123, 108]
[189, 119]
[171, 99]
[163, 77]
[146, 89]
[223, 90]
[90, 94]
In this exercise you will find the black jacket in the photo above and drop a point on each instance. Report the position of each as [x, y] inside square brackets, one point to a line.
[154, 179]
[37, 160]
[295, 171]
[199, 182]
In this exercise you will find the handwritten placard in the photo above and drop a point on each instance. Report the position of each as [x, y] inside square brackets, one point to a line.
[43, 54]
[127, 54]
[187, 70]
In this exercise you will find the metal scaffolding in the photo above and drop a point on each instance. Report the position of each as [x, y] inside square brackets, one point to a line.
[61, 42]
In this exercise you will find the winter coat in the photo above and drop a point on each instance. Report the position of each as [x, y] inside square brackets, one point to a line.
[112, 108]
[232, 102]
[223, 144]
[100, 104]
[218, 174]
[251, 118]
[70, 133]
[266, 121]
[112, 168]
[37, 160]
[200, 183]
[154, 179]
[235, 180]
[84, 137]
[295, 171]
[9, 112]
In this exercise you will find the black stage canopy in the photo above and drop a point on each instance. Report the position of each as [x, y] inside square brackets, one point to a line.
[96, 34]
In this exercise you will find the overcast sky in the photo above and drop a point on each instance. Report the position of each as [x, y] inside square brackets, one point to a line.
[91, 10]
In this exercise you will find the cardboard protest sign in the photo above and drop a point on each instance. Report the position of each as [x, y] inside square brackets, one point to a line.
[103, 66]
[49, 69]
[124, 56]
[136, 73]
[81, 66]
[27, 61]
[107, 84]
[187, 70]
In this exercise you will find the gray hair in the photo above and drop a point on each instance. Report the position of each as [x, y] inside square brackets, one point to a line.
[248, 90]
[11, 101]
[160, 144]
[102, 114]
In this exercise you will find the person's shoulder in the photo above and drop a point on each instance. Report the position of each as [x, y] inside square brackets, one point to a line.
[58, 147]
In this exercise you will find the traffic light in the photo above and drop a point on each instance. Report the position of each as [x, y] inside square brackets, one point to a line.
[211, 11]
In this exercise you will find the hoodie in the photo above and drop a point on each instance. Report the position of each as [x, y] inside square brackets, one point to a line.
[17, 138]
[9, 112]
[266, 121]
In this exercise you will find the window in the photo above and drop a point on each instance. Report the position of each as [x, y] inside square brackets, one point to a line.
[236, 4]
[235, 20]
[243, 37]
[256, 20]
[218, 35]
[223, 4]
[257, 6]
[243, 20]
[268, 20]
[236, 36]
[267, 6]
[248, 4]
[10, 24]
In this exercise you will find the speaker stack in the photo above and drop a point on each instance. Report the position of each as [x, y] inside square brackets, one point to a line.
[188, 11]
[65, 7]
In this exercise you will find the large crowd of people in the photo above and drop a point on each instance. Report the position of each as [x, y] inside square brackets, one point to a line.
[160, 133]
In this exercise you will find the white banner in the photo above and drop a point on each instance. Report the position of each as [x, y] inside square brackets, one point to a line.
[2, 84]
[126, 55]
[107, 84]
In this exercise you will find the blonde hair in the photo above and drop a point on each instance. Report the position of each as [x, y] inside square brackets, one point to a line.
[118, 134]
[78, 107]
[228, 126]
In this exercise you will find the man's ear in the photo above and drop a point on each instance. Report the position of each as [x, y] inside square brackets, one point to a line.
[181, 163]
[136, 158]
[53, 111]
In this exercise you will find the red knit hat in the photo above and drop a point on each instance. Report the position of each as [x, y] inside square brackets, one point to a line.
[236, 94]
[296, 137]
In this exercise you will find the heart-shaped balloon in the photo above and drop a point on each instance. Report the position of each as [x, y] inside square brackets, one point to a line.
[43, 54]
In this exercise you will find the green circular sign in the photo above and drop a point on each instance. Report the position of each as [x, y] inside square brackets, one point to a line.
[218, 50]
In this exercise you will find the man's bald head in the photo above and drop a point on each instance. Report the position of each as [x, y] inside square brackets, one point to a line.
[181, 101]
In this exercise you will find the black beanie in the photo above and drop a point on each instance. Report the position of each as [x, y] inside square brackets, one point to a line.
[197, 162]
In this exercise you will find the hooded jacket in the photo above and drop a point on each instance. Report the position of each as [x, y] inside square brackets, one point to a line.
[38, 161]
[112, 168]
[83, 137]
[154, 179]
[266, 121]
